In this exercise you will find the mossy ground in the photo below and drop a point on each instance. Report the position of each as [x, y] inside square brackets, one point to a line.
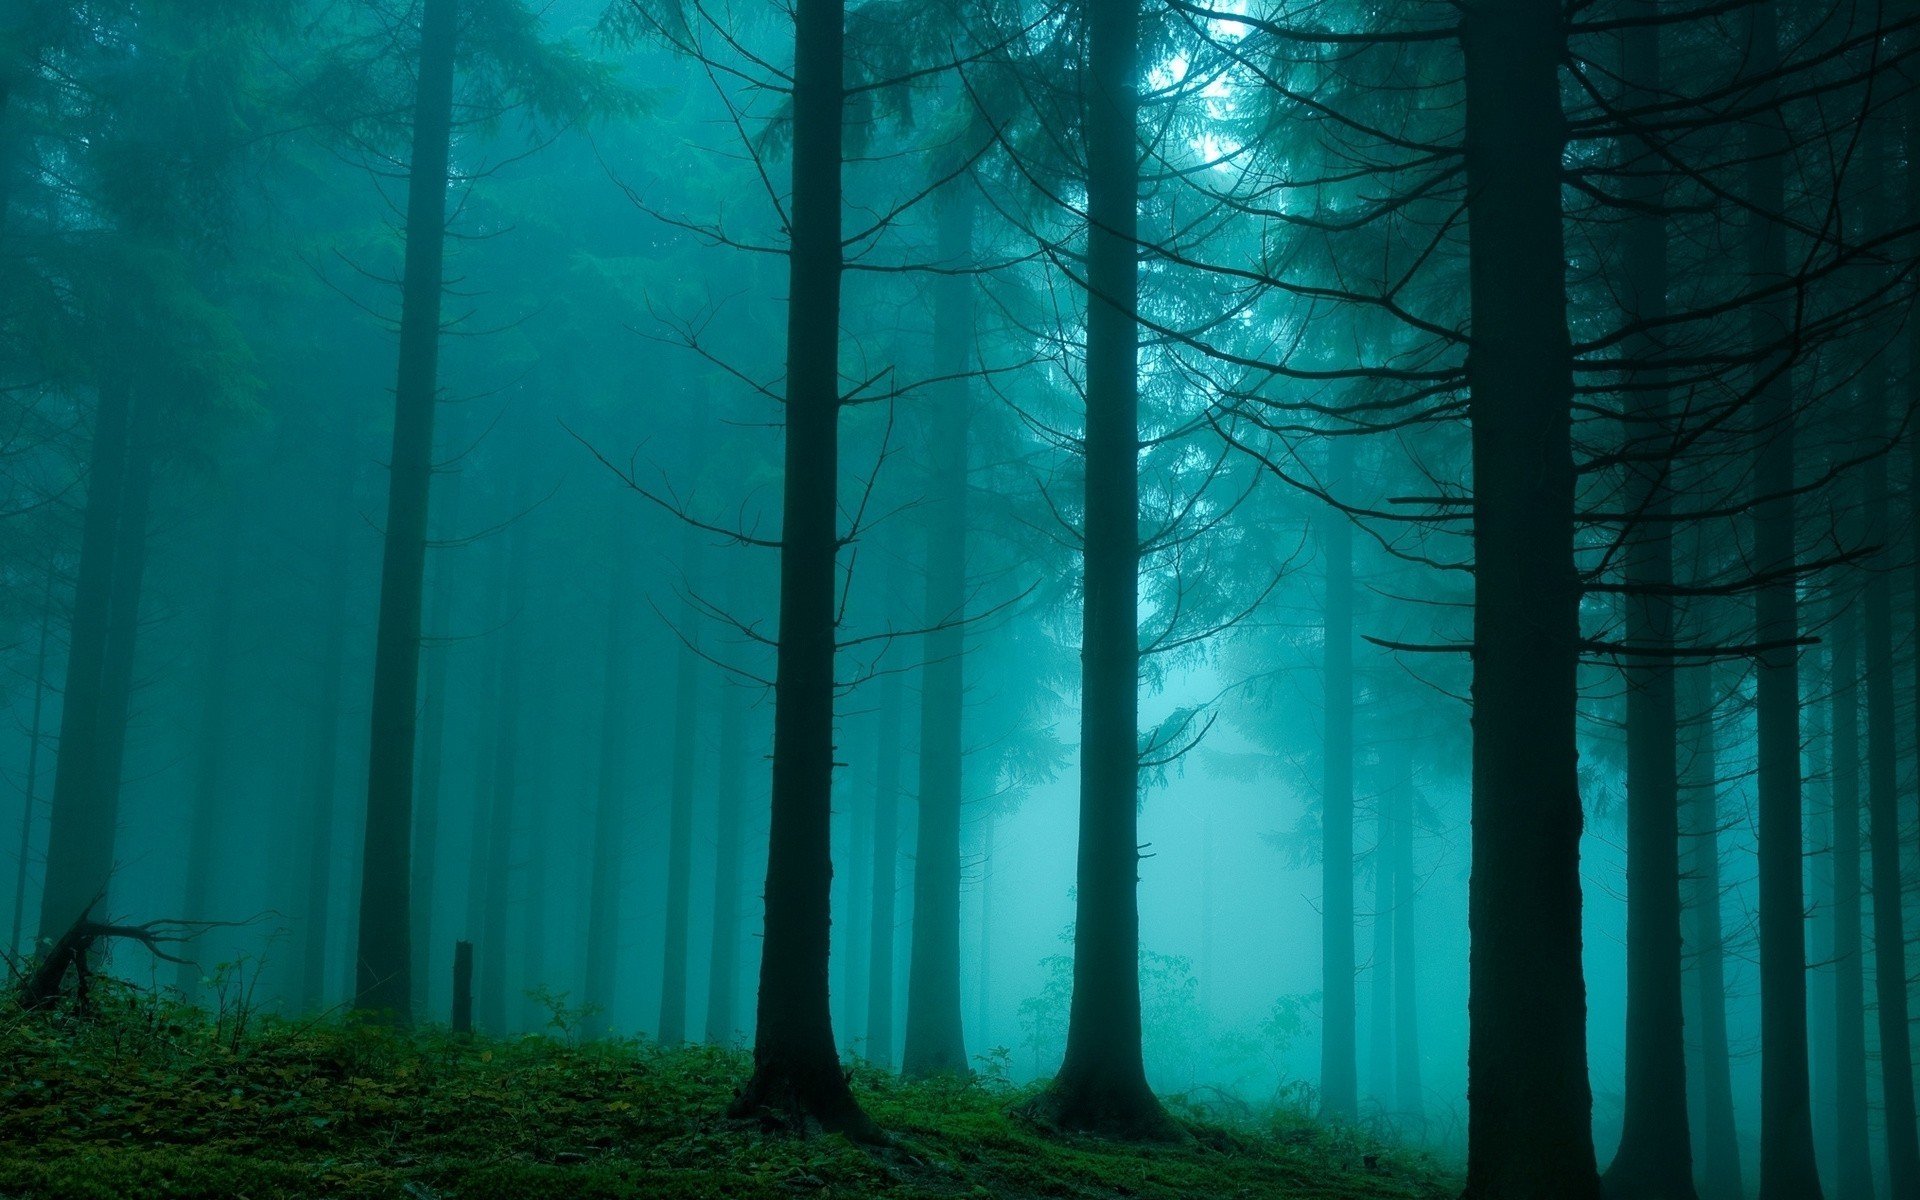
[146, 1101]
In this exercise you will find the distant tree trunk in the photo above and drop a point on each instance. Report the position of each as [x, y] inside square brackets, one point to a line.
[1655, 1157]
[936, 1040]
[1820, 907]
[30, 787]
[678, 906]
[1408, 1093]
[1883, 753]
[886, 858]
[322, 752]
[1717, 1159]
[985, 980]
[611, 813]
[1853, 1172]
[208, 810]
[463, 987]
[84, 811]
[385, 960]
[1787, 1170]
[429, 778]
[1102, 1084]
[723, 963]
[1339, 1076]
[496, 903]
[1530, 1107]
[796, 1068]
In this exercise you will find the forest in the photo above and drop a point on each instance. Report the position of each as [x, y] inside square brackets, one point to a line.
[1103, 599]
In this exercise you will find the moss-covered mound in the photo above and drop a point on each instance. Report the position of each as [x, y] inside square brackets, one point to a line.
[142, 1101]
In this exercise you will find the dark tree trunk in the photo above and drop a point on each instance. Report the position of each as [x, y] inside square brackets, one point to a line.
[886, 858]
[1883, 753]
[1655, 1157]
[209, 807]
[678, 907]
[1339, 1079]
[322, 752]
[796, 1069]
[1787, 1170]
[1717, 1157]
[1102, 1085]
[1529, 1110]
[723, 963]
[463, 987]
[83, 813]
[935, 1041]
[1853, 1172]
[385, 959]
[611, 813]
[30, 786]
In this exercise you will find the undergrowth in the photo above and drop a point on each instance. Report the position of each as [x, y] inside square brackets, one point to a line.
[145, 1099]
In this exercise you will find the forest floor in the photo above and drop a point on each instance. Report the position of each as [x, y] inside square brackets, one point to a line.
[143, 1100]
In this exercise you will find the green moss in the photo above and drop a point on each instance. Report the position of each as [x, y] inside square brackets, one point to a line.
[142, 1102]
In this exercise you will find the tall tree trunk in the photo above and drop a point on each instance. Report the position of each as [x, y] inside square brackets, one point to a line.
[1883, 752]
[1853, 1172]
[1102, 1085]
[385, 959]
[1820, 908]
[936, 1041]
[429, 779]
[1530, 1107]
[1655, 1157]
[886, 859]
[1380, 1006]
[30, 788]
[795, 1065]
[678, 907]
[1408, 1093]
[1339, 1076]
[723, 963]
[83, 813]
[1787, 1170]
[1717, 1159]
[209, 806]
[612, 808]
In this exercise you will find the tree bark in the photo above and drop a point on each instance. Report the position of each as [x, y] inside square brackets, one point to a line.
[935, 1038]
[385, 959]
[30, 787]
[796, 1068]
[1530, 1107]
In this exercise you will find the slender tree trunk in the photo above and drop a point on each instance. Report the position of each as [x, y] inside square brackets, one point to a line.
[383, 983]
[82, 813]
[1883, 754]
[1529, 1111]
[1717, 1161]
[1408, 1092]
[935, 1040]
[678, 907]
[984, 981]
[1655, 1157]
[1380, 1004]
[1102, 1085]
[1820, 906]
[1853, 1172]
[429, 779]
[723, 963]
[1339, 1078]
[31, 787]
[209, 806]
[1787, 1170]
[795, 1065]
[886, 858]
[611, 813]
